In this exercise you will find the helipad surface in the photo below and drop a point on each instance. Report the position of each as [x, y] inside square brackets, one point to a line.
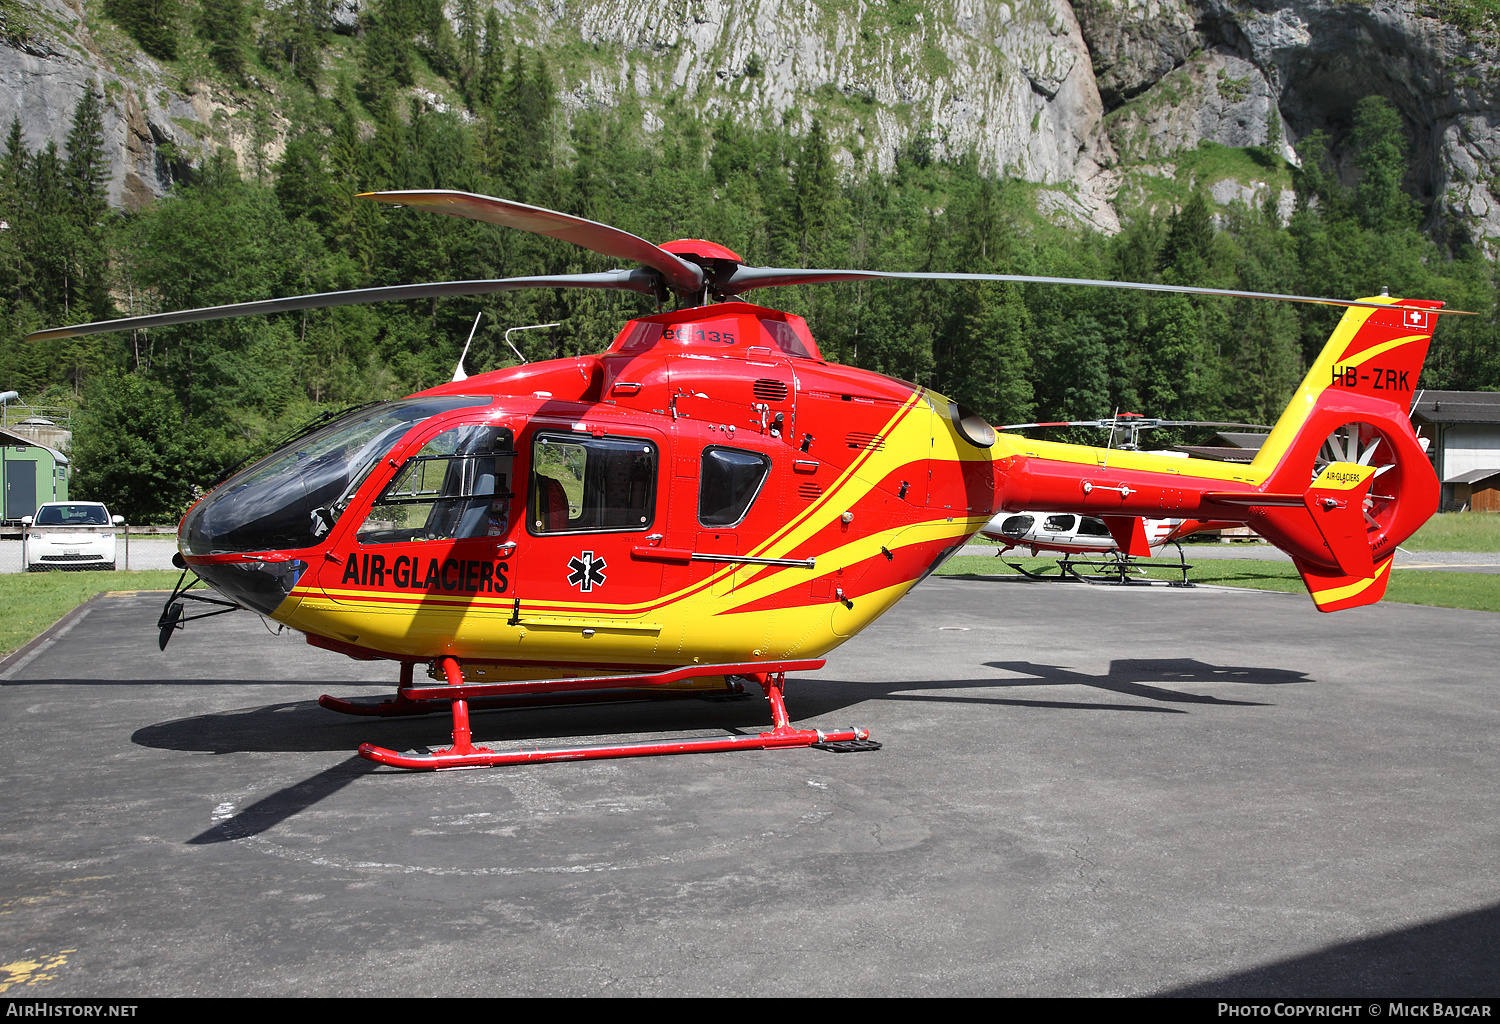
[1082, 791]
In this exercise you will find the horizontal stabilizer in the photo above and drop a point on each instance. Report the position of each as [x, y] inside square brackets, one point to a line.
[1259, 499]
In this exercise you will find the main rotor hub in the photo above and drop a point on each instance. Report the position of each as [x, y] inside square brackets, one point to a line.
[700, 250]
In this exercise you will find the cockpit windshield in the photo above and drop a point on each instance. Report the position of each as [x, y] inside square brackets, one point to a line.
[291, 498]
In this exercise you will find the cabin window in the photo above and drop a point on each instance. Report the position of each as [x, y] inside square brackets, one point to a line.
[457, 486]
[591, 484]
[1088, 526]
[1059, 524]
[730, 480]
[1015, 527]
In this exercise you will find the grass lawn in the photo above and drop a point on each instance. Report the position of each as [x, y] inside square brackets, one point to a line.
[1472, 590]
[30, 602]
[1458, 531]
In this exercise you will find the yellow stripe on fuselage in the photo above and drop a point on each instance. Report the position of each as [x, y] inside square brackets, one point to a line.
[1007, 445]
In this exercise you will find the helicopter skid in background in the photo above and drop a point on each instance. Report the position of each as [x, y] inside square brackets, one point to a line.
[1110, 570]
[456, 695]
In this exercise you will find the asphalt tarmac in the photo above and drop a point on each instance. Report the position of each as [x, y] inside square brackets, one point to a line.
[1082, 791]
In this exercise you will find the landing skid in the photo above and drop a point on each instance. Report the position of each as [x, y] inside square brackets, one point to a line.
[456, 696]
[1036, 575]
[1121, 570]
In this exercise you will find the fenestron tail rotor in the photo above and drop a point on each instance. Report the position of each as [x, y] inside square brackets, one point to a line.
[1365, 445]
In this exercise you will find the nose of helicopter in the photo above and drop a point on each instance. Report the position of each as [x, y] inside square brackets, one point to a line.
[251, 537]
[259, 585]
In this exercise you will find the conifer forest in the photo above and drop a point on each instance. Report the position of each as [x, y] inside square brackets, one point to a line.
[163, 412]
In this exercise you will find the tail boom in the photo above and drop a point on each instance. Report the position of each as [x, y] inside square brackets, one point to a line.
[1341, 480]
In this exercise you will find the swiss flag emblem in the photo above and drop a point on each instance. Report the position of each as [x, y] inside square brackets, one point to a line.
[1415, 318]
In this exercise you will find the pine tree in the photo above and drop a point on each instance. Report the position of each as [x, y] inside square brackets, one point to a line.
[815, 182]
[12, 206]
[491, 61]
[226, 26]
[152, 23]
[1190, 237]
[997, 355]
[86, 173]
[469, 31]
[1380, 152]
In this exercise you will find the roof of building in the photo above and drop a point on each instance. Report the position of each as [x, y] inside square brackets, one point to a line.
[1473, 476]
[1458, 406]
[10, 437]
[1235, 439]
[1204, 451]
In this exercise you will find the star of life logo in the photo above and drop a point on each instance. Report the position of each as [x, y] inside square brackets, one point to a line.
[587, 571]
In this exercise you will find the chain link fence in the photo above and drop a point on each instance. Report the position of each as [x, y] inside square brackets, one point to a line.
[133, 550]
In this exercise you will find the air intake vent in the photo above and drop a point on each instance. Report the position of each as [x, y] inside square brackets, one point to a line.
[867, 442]
[770, 390]
[809, 491]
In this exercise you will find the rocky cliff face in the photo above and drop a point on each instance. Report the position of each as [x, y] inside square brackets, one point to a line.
[155, 125]
[1311, 61]
[1092, 100]
[1009, 81]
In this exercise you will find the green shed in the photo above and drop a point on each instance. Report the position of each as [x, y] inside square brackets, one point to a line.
[31, 474]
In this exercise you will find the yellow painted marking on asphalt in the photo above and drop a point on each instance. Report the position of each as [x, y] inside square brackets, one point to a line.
[32, 972]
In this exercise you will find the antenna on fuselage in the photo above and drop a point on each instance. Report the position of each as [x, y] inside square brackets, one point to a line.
[1114, 421]
[458, 371]
[532, 327]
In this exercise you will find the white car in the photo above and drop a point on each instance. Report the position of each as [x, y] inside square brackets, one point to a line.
[69, 535]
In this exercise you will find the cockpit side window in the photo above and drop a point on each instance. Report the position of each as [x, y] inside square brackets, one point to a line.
[1059, 524]
[457, 486]
[584, 484]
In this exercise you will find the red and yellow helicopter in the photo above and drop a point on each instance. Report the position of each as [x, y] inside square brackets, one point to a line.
[710, 499]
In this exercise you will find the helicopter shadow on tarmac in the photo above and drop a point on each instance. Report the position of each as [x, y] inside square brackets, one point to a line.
[302, 726]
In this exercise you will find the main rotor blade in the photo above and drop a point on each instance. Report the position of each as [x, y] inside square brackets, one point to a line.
[745, 278]
[643, 281]
[681, 276]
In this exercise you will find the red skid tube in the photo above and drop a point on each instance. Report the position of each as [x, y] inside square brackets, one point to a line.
[463, 753]
[775, 739]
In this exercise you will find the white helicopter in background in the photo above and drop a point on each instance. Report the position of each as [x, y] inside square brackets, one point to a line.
[1109, 545]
